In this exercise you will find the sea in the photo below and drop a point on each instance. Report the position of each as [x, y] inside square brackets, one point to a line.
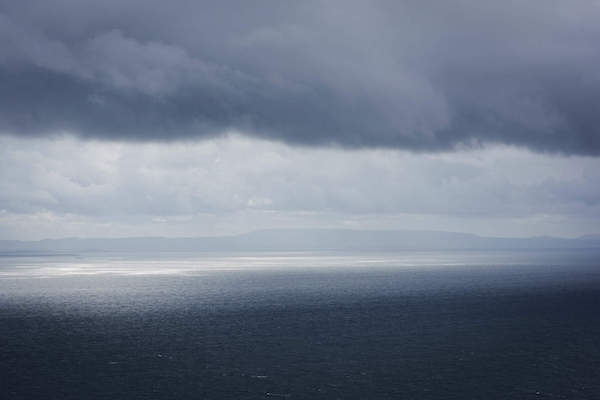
[403, 325]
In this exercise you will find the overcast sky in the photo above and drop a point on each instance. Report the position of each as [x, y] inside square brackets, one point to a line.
[186, 118]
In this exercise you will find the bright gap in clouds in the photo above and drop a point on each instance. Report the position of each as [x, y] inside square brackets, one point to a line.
[61, 187]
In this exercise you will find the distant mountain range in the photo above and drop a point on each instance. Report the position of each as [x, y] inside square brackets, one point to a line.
[301, 240]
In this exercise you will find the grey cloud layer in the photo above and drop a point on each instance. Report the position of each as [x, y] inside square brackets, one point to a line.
[236, 174]
[413, 74]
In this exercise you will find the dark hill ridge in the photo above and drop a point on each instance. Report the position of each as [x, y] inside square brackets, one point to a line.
[302, 240]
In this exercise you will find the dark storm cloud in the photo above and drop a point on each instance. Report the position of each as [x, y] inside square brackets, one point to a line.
[414, 74]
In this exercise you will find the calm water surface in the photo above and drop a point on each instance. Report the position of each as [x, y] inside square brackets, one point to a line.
[426, 325]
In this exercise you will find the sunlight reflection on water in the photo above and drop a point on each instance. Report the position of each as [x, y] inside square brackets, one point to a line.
[191, 264]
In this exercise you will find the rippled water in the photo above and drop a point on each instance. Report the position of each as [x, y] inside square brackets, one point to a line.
[427, 325]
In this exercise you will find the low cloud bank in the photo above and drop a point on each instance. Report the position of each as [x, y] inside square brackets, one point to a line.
[416, 75]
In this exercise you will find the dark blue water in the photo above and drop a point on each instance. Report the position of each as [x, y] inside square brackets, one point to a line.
[405, 326]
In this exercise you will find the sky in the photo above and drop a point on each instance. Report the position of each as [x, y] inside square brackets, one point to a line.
[193, 118]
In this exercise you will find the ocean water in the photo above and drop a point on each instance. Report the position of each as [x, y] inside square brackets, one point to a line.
[412, 325]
